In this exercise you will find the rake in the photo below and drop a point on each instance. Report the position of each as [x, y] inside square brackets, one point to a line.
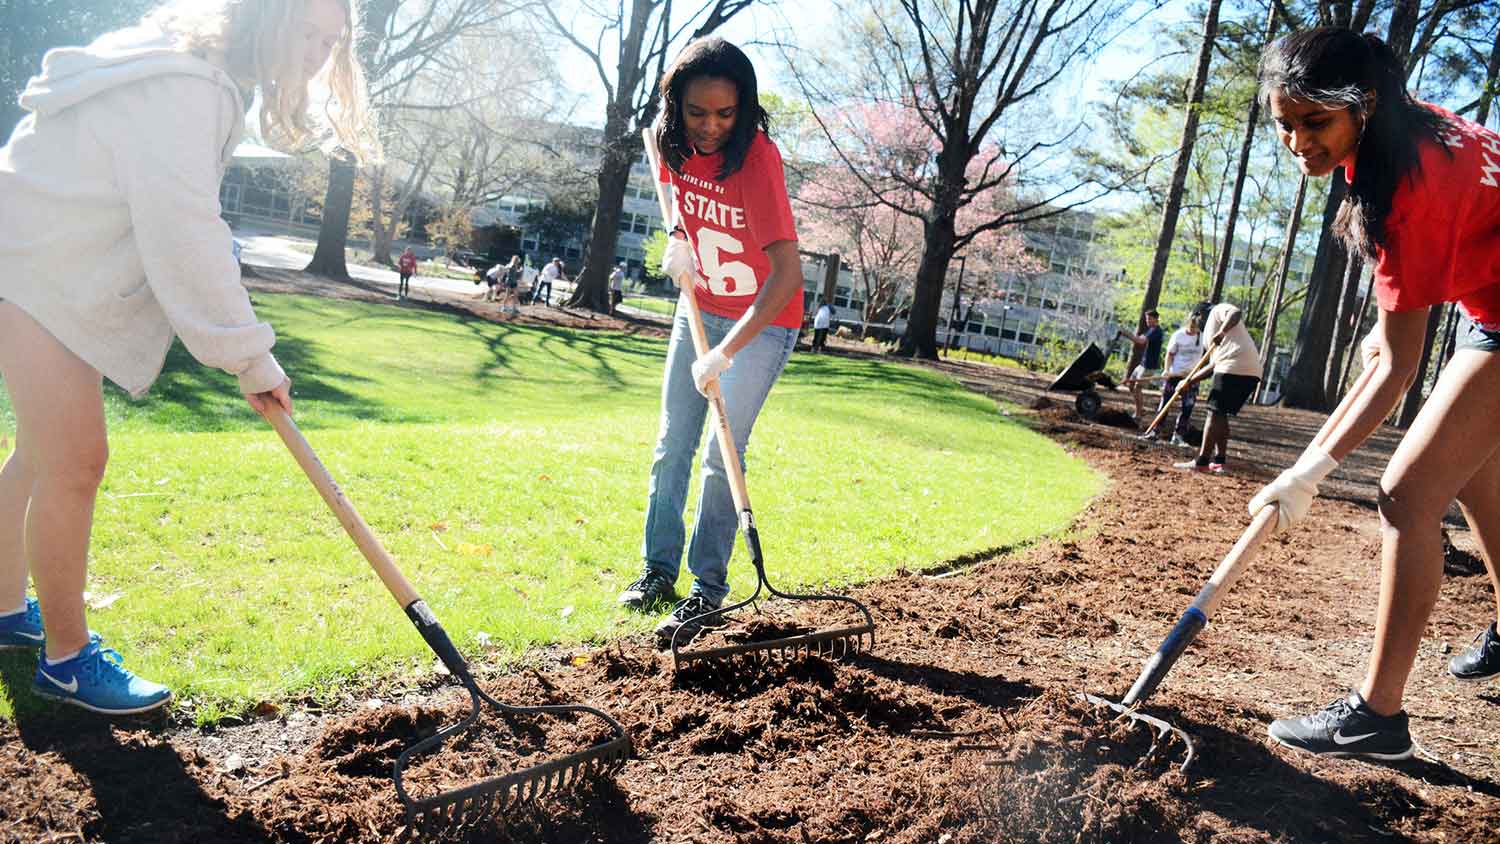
[461, 808]
[1182, 386]
[1195, 617]
[832, 643]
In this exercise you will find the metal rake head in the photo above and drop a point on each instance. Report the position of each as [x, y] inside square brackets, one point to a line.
[837, 643]
[1161, 729]
[452, 813]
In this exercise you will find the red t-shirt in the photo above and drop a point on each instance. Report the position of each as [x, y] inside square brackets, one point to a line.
[730, 224]
[1442, 238]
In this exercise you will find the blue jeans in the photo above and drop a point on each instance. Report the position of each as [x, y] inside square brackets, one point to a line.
[683, 410]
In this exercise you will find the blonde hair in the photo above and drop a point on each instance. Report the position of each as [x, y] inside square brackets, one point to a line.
[257, 40]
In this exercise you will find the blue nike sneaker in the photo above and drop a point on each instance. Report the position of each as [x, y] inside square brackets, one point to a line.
[96, 679]
[23, 629]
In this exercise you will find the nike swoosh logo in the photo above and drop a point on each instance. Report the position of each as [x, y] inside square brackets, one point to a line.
[1340, 738]
[35, 637]
[72, 685]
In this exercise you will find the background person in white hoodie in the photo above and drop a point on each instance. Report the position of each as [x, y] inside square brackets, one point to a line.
[110, 232]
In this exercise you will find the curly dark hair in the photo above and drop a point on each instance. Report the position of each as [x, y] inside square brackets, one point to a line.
[1341, 69]
[712, 58]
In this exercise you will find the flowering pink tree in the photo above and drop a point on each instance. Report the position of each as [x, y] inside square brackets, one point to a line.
[869, 207]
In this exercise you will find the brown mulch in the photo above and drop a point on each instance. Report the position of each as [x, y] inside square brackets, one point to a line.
[962, 726]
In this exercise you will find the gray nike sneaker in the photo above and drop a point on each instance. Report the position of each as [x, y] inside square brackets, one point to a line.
[1476, 663]
[1348, 727]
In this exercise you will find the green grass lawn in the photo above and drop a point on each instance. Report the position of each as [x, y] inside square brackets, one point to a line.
[505, 468]
[651, 303]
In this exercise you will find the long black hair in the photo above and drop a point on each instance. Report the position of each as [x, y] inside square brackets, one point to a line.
[1341, 69]
[717, 59]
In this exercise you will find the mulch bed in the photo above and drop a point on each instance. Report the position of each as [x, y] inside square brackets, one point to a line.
[962, 726]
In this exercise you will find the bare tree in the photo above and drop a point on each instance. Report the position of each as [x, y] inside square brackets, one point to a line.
[978, 73]
[640, 34]
[398, 40]
[1173, 205]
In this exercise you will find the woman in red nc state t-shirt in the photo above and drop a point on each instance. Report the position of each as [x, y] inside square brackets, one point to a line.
[734, 235]
[1424, 208]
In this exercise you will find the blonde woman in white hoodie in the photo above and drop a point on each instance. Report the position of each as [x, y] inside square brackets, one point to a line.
[112, 242]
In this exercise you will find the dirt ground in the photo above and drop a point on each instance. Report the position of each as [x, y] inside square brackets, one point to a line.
[962, 726]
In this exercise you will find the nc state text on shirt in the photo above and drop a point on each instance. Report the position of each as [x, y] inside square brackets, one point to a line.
[709, 210]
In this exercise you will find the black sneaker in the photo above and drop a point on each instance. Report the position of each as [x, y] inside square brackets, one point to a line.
[1347, 727]
[684, 617]
[648, 590]
[1480, 661]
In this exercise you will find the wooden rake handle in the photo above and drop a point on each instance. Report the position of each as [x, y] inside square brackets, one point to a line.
[1205, 360]
[375, 554]
[717, 410]
[379, 559]
[1228, 572]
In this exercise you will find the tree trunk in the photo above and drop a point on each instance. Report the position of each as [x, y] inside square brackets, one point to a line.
[1359, 325]
[1173, 205]
[592, 281]
[1344, 325]
[381, 234]
[1251, 124]
[920, 339]
[1273, 311]
[1305, 379]
[831, 265]
[333, 233]
[1414, 397]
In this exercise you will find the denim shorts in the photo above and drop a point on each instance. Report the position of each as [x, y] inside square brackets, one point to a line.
[1471, 336]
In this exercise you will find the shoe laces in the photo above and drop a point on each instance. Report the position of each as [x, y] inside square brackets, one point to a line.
[105, 665]
[691, 607]
[1334, 712]
[1487, 638]
[647, 580]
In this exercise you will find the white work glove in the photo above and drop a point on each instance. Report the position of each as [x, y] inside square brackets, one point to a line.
[708, 368]
[678, 260]
[1294, 489]
[1369, 350]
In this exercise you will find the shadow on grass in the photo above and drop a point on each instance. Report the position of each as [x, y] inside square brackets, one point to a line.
[143, 790]
[199, 398]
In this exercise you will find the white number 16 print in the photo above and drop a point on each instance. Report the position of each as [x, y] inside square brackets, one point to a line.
[731, 278]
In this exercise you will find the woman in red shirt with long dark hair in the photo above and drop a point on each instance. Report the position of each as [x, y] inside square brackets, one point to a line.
[736, 238]
[1424, 209]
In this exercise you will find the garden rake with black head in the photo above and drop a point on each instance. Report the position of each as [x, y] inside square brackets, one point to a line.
[1195, 617]
[458, 809]
[831, 643]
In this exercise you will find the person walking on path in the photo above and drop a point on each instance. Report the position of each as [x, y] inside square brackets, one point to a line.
[1423, 209]
[822, 319]
[406, 265]
[1150, 342]
[543, 288]
[1183, 351]
[736, 241]
[1236, 371]
[616, 288]
[142, 123]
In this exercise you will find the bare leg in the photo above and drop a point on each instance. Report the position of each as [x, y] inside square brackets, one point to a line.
[1215, 432]
[1480, 501]
[15, 493]
[1450, 441]
[60, 440]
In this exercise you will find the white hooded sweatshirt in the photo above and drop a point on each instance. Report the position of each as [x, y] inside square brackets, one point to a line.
[110, 235]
